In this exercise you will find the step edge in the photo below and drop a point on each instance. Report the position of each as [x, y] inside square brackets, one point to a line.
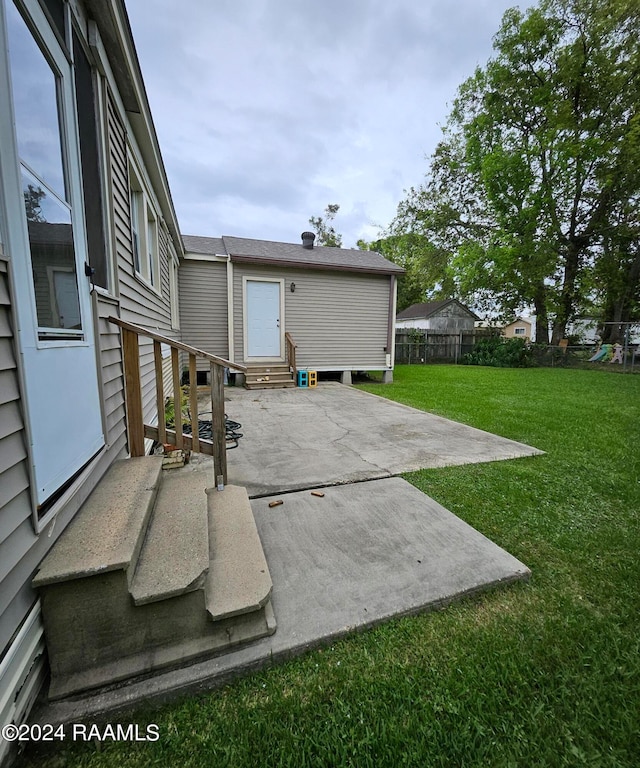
[259, 590]
[44, 577]
[194, 586]
[250, 608]
[144, 595]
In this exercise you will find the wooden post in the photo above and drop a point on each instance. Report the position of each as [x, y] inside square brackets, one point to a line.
[133, 392]
[157, 359]
[177, 397]
[193, 402]
[217, 418]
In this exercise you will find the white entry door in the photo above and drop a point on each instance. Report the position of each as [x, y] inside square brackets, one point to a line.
[44, 236]
[263, 318]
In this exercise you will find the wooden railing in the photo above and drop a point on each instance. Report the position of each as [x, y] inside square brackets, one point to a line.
[291, 352]
[138, 430]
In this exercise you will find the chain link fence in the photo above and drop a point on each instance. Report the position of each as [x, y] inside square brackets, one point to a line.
[414, 348]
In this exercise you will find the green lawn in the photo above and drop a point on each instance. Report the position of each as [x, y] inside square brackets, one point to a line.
[539, 674]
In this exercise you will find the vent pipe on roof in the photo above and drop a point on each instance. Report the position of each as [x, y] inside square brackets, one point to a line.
[307, 239]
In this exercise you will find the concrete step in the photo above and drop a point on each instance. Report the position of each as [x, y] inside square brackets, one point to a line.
[96, 542]
[174, 558]
[129, 590]
[238, 581]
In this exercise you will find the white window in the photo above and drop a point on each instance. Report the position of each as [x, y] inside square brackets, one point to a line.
[144, 232]
[519, 331]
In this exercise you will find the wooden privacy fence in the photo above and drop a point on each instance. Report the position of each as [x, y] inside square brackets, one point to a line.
[416, 348]
[138, 430]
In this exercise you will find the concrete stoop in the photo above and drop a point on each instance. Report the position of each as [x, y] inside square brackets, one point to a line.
[152, 573]
[276, 376]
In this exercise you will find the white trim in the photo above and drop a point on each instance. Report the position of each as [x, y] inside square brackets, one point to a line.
[22, 673]
[230, 313]
[245, 339]
[188, 256]
[143, 209]
[394, 313]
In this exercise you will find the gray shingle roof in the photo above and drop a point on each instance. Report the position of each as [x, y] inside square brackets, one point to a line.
[210, 246]
[429, 308]
[292, 254]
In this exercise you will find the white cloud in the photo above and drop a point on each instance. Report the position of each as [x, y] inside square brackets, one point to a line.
[268, 111]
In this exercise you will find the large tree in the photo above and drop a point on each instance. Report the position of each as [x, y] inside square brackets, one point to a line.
[425, 276]
[539, 163]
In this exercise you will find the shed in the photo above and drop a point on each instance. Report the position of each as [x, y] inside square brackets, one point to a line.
[248, 300]
[446, 316]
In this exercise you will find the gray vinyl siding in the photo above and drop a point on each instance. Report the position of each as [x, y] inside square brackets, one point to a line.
[111, 373]
[203, 307]
[16, 531]
[339, 320]
[139, 302]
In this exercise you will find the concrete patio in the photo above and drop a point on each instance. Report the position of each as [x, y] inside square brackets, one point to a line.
[334, 434]
[361, 553]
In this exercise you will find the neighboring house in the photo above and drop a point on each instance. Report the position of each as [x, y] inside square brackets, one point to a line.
[518, 329]
[242, 298]
[587, 329]
[447, 316]
[82, 190]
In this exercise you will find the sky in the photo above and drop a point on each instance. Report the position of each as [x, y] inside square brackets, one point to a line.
[269, 110]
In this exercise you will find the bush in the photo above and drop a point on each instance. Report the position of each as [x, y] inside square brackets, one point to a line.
[499, 352]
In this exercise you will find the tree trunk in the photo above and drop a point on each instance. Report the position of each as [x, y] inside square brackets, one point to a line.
[567, 296]
[542, 319]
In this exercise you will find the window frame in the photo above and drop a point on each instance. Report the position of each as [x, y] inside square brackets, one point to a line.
[145, 245]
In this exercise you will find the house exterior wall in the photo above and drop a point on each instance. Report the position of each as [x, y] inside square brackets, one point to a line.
[24, 540]
[203, 307]
[338, 320]
[139, 301]
[520, 329]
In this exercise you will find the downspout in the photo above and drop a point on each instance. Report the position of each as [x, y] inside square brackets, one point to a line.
[230, 310]
[390, 349]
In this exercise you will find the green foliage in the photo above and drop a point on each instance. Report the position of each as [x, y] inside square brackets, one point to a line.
[425, 277]
[534, 188]
[498, 352]
[325, 232]
[170, 408]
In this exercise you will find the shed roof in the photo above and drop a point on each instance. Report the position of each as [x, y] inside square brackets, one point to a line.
[430, 308]
[269, 252]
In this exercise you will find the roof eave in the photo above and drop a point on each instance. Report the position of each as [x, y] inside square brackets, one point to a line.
[248, 259]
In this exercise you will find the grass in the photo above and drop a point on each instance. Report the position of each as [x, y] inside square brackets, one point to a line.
[539, 674]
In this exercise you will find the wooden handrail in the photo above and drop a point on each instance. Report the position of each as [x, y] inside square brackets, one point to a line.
[291, 352]
[141, 331]
[138, 430]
